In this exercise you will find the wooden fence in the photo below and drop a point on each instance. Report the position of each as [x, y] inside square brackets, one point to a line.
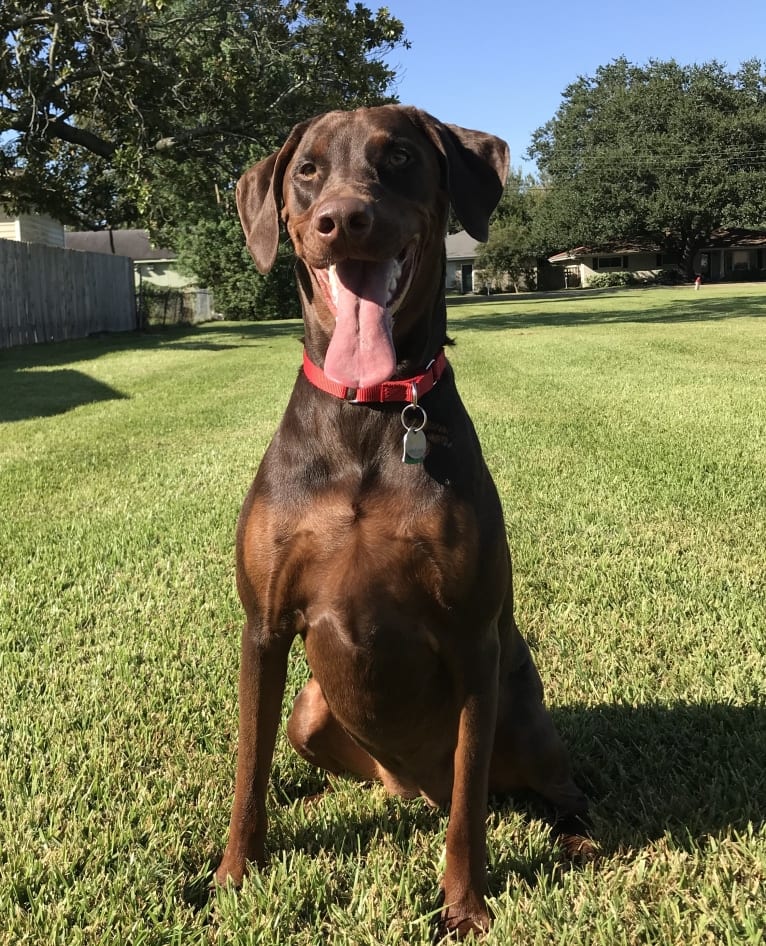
[48, 294]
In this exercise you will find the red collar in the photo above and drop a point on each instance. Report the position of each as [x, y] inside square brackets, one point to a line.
[406, 390]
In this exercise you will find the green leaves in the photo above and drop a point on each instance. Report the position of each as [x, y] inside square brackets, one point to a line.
[214, 250]
[662, 152]
[145, 112]
[514, 243]
[203, 81]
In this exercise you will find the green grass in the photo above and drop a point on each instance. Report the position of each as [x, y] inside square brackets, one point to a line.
[627, 434]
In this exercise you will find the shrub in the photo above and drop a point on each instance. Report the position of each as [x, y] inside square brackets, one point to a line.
[161, 306]
[609, 280]
[746, 275]
[214, 250]
[669, 277]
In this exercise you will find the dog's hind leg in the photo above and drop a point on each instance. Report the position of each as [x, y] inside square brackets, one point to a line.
[318, 737]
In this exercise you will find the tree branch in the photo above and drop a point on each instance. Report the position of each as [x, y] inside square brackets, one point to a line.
[29, 19]
[183, 137]
[58, 128]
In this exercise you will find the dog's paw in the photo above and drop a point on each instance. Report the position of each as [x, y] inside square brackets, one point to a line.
[572, 835]
[459, 919]
[453, 928]
[229, 873]
[578, 849]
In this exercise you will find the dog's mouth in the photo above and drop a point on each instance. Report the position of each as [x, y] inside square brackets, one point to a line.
[364, 296]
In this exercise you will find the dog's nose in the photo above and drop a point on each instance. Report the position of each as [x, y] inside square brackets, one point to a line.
[343, 216]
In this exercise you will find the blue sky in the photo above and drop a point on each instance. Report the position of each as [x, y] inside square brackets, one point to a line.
[501, 66]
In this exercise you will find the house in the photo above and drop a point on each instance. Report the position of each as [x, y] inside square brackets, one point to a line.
[31, 228]
[166, 295]
[152, 264]
[730, 253]
[733, 253]
[462, 274]
[643, 262]
[461, 251]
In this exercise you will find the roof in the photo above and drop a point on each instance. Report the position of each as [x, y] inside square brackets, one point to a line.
[461, 246]
[722, 238]
[133, 243]
[736, 236]
[617, 249]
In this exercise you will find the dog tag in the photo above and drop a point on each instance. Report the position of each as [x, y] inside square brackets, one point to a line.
[415, 446]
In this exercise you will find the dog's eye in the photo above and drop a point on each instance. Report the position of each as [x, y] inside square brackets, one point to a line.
[399, 158]
[307, 170]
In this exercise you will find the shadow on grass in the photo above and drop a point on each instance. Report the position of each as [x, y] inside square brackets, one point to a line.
[690, 770]
[579, 310]
[26, 394]
[686, 770]
[211, 337]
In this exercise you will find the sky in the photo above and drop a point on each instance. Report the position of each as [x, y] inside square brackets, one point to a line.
[501, 66]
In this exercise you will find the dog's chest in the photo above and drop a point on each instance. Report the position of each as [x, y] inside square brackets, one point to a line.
[380, 630]
[388, 547]
[381, 590]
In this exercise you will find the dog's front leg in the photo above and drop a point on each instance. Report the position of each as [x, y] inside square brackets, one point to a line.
[263, 670]
[465, 875]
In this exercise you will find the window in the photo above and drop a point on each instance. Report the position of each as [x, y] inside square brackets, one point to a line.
[610, 262]
[740, 260]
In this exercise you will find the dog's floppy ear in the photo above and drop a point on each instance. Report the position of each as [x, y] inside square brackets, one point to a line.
[476, 167]
[259, 200]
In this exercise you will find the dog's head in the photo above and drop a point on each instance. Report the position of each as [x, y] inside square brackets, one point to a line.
[364, 196]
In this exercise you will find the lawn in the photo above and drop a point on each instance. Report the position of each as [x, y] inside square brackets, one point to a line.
[627, 434]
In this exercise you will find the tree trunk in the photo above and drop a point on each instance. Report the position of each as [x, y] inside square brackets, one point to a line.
[691, 243]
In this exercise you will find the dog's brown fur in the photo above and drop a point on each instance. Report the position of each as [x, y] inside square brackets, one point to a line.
[396, 576]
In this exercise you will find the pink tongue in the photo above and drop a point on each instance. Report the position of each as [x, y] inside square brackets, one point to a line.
[361, 351]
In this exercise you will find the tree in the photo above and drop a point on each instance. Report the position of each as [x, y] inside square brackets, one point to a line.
[513, 246]
[660, 153]
[213, 249]
[145, 112]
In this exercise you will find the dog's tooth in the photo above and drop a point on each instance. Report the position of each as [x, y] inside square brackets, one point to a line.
[393, 278]
[333, 280]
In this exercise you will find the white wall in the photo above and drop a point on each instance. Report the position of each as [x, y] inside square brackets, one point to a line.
[32, 228]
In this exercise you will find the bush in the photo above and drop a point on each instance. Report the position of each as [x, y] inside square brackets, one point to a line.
[669, 277]
[609, 280]
[745, 275]
[161, 306]
[214, 250]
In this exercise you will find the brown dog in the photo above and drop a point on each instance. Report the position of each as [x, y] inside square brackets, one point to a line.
[395, 572]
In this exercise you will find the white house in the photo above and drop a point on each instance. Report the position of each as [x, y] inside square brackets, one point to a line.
[31, 228]
[580, 263]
